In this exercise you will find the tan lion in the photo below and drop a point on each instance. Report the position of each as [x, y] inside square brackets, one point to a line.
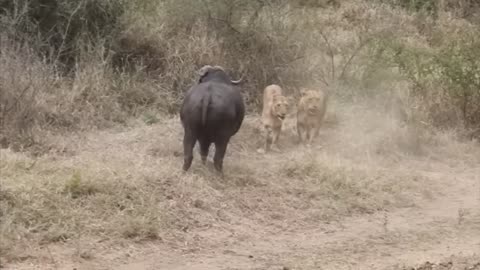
[310, 113]
[275, 108]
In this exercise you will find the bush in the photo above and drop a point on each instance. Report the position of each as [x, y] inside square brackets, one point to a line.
[316, 3]
[62, 25]
[460, 77]
[468, 9]
[23, 77]
[250, 39]
[428, 6]
[93, 63]
[121, 63]
[445, 80]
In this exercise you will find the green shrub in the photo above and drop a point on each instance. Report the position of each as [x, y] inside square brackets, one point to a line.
[445, 79]
[428, 6]
[460, 76]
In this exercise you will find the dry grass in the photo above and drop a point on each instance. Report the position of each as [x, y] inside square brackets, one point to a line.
[124, 180]
[150, 59]
[453, 263]
[127, 184]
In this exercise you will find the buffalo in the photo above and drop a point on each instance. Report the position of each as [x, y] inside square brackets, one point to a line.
[212, 112]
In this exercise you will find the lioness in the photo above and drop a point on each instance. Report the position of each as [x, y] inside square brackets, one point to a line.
[275, 108]
[310, 112]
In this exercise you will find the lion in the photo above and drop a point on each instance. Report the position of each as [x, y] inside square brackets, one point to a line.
[311, 110]
[275, 109]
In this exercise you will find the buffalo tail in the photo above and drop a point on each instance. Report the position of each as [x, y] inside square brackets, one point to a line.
[205, 102]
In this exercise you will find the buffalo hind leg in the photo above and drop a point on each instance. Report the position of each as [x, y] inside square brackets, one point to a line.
[220, 150]
[188, 144]
[204, 147]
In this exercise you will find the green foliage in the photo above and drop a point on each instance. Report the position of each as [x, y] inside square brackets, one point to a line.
[449, 74]
[417, 64]
[77, 187]
[467, 9]
[150, 119]
[315, 3]
[428, 6]
[460, 76]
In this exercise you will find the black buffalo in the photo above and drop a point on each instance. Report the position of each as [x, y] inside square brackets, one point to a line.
[212, 112]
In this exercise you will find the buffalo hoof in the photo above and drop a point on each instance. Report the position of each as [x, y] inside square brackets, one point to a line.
[218, 172]
[185, 167]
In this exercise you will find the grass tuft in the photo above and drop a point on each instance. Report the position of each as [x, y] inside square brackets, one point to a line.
[76, 187]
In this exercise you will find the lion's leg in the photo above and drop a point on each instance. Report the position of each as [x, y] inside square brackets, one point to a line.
[306, 134]
[310, 135]
[316, 130]
[268, 138]
[275, 136]
[300, 131]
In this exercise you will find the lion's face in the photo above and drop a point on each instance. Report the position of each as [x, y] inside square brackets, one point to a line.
[312, 101]
[280, 106]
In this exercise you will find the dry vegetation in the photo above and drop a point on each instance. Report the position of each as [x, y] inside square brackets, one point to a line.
[454, 263]
[91, 145]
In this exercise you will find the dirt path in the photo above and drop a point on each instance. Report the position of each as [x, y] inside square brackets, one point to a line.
[431, 232]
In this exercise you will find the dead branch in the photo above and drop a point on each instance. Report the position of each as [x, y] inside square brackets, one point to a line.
[330, 52]
[350, 59]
